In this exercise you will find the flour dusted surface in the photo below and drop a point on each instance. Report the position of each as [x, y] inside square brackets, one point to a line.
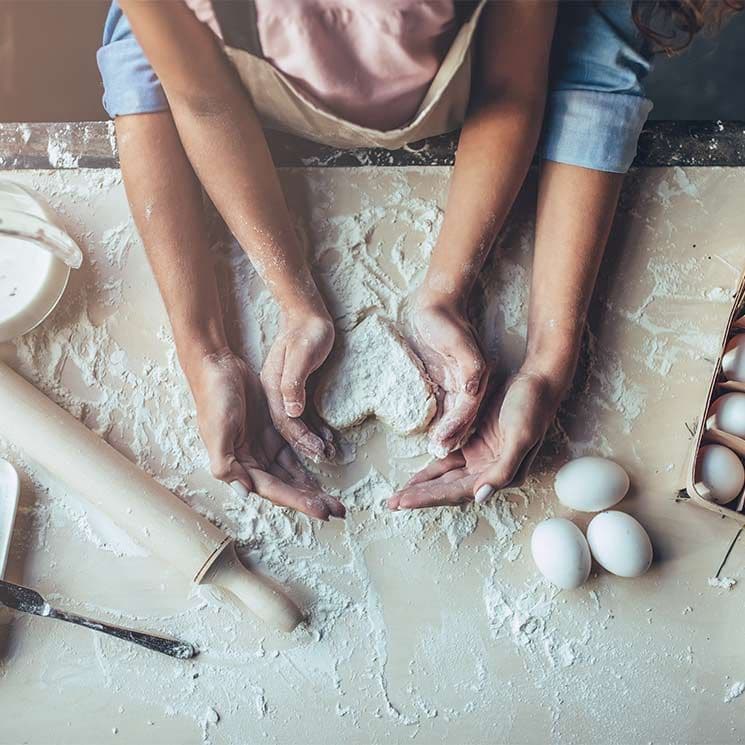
[424, 627]
[374, 373]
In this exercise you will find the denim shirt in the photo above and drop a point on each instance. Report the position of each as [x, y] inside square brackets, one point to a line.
[595, 108]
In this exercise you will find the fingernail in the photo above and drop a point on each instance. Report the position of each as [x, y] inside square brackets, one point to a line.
[472, 387]
[484, 492]
[239, 489]
[293, 408]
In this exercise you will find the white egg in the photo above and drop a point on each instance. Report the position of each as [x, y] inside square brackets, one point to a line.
[733, 362]
[619, 544]
[561, 553]
[729, 414]
[721, 472]
[591, 484]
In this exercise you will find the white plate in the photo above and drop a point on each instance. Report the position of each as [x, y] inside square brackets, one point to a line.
[34, 249]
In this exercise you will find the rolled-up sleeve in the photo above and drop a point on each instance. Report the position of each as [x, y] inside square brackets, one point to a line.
[130, 84]
[596, 106]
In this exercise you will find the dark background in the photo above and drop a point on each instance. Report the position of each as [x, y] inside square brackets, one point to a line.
[48, 68]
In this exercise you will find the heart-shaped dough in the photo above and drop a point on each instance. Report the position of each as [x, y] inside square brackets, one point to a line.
[373, 372]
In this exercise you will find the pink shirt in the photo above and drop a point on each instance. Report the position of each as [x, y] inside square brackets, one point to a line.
[366, 61]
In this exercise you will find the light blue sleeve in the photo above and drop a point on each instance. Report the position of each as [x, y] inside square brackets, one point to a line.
[130, 84]
[596, 106]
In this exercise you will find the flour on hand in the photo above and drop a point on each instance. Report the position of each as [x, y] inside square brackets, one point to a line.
[373, 372]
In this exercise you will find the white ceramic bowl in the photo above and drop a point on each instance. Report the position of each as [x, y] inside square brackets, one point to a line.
[33, 274]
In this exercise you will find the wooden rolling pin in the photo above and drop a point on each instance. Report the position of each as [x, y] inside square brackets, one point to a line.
[139, 505]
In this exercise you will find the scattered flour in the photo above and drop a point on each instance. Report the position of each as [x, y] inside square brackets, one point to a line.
[211, 718]
[361, 668]
[374, 373]
[723, 583]
[719, 295]
[735, 691]
[58, 153]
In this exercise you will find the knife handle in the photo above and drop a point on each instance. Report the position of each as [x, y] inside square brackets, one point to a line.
[162, 644]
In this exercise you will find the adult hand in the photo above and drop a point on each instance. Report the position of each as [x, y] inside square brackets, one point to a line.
[245, 449]
[446, 343]
[499, 454]
[301, 347]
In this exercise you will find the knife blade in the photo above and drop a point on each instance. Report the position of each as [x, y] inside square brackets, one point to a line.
[26, 600]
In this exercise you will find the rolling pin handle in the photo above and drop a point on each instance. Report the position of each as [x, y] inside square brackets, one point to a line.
[259, 594]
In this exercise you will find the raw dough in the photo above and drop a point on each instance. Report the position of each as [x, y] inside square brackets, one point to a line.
[373, 372]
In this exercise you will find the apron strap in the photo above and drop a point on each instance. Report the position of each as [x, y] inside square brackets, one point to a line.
[237, 21]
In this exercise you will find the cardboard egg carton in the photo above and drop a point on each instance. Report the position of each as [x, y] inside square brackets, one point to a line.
[707, 433]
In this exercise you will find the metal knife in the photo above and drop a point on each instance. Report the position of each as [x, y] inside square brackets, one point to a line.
[26, 600]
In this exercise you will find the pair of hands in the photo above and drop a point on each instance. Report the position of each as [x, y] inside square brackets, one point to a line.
[248, 423]
[490, 435]
[253, 427]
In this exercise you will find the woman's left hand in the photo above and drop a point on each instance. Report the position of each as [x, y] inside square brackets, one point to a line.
[500, 452]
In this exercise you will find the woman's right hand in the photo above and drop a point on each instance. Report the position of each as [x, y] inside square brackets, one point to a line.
[302, 345]
[446, 342]
[244, 448]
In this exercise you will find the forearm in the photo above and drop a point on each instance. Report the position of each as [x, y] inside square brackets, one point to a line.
[224, 142]
[575, 212]
[228, 150]
[497, 143]
[494, 153]
[166, 203]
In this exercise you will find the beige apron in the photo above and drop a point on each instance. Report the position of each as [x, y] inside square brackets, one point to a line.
[282, 106]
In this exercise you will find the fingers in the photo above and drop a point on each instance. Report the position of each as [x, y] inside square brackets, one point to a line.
[316, 425]
[293, 430]
[457, 418]
[304, 349]
[313, 504]
[456, 342]
[437, 468]
[301, 359]
[471, 366]
[287, 460]
[453, 488]
[527, 406]
[524, 468]
[394, 502]
[336, 508]
[459, 414]
[461, 406]
[225, 467]
[281, 378]
[299, 436]
[516, 457]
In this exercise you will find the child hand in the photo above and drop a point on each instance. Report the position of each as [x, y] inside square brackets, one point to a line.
[499, 454]
[245, 449]
[446, 343]
[301, 347]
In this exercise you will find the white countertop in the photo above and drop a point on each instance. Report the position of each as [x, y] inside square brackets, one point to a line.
[432, 627]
